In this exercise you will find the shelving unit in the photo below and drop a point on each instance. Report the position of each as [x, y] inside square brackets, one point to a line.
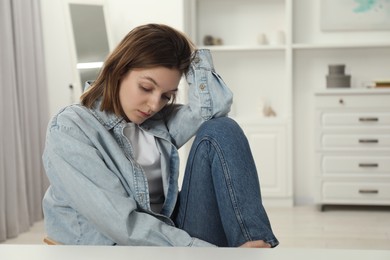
[284, 75]
[248, 67]
[244, 63]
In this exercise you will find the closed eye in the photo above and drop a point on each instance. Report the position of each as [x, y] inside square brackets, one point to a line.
[167, 97]
[145, 89]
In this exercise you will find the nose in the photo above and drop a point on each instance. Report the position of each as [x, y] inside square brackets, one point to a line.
[154, 103]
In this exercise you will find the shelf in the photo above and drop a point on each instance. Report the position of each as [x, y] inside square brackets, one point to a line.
[237, 22]
[294, 47]
[310, 46]
[245, 48]
[299, 46]
[344, 91]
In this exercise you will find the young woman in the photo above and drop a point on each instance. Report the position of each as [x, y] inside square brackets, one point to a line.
[113, 161]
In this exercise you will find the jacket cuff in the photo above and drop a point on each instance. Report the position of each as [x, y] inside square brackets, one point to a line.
[200, 243]
[203, 59]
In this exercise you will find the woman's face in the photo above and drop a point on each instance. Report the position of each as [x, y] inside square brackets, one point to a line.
[144, 92]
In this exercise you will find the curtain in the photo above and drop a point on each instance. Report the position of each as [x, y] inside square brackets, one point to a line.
[23, 116]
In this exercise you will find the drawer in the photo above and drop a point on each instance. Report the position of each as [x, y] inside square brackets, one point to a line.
[356, 191]
[364, 119]
[353, 101]
[369, 141]
[355, 164]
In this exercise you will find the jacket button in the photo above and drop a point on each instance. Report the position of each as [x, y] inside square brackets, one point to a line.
[202, 86]
[196, 60]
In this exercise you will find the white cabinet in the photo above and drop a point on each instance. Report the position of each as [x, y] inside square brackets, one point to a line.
[268, 146]
[366, 56]
[255, 63]
[353, 147]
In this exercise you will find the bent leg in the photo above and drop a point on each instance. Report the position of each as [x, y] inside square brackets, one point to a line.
[220, 200]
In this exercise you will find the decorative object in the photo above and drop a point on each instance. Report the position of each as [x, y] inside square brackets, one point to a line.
[262, 39]
[382, 83]
[211, 40]
[217, 41]
[268, 111]
[208, 40]
[337, 78]
[337, 15]
[379, 83]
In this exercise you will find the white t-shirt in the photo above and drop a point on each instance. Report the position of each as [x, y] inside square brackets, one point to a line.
[148, 156]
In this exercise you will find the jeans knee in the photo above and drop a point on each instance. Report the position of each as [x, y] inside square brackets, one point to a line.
[220, 126]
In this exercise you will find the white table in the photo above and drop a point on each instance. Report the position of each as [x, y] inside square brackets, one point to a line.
[45, 252]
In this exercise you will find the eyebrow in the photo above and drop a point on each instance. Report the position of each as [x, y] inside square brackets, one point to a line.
[150, 79]
[155, 82]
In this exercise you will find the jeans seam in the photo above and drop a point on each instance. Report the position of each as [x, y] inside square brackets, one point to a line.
[181, 219]
[229, 184]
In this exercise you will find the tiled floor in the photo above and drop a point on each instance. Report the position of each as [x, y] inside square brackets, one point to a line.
[307, 227]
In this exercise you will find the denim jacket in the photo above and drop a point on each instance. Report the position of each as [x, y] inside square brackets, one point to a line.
[98, 194]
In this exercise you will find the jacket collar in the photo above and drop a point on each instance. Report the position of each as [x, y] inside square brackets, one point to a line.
[109, 120]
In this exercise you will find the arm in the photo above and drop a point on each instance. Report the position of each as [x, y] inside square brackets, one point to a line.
[208, 97]
[89, 181]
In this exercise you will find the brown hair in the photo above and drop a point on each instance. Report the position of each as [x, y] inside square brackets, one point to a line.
[146, 46]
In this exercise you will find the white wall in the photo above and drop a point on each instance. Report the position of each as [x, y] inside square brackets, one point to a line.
[307, 20]
[125, 15]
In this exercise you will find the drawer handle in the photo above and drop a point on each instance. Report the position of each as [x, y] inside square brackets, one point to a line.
[368, 141]
[368, 165]
[368, 119]
[368, 191]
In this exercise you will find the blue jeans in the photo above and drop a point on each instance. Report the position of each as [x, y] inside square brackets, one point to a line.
[220, 200]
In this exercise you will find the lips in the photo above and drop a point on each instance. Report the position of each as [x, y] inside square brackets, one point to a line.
[143, 114]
